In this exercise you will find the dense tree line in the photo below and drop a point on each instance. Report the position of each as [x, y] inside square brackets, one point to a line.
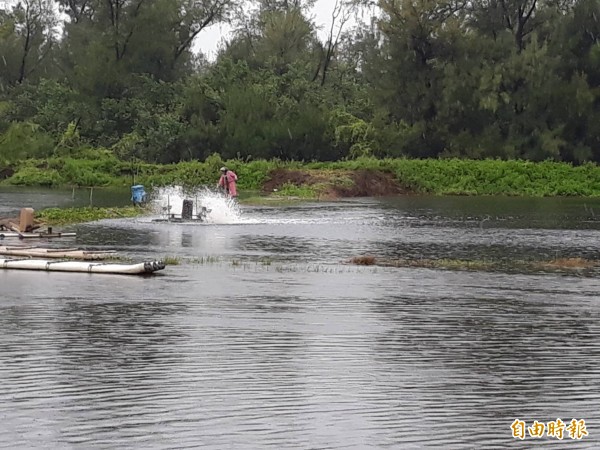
[421, 78]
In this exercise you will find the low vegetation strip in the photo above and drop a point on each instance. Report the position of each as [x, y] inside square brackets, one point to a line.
[66, 216]
[566, 265]
[358, 177]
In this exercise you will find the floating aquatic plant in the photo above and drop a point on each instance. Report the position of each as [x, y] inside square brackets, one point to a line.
[64, 216]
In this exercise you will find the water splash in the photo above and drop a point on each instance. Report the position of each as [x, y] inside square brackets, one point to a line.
[221, 209]
[225, 211]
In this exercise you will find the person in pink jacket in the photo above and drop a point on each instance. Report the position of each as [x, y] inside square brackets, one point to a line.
[228, 181]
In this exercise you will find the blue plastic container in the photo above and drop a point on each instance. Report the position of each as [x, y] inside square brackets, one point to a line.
[138, 194]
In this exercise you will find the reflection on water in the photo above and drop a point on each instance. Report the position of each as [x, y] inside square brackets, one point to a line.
[290, 348]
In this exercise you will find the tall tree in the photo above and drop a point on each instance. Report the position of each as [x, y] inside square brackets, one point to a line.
[27, 34]
[285, 5]
[406, 68]
[139, 36]
[341, 14]
[275, 34]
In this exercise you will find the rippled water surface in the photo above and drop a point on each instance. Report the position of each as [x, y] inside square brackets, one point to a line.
[263, 336]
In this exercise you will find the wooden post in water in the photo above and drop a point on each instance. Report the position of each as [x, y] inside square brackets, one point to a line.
[91, 195]
[187, 210]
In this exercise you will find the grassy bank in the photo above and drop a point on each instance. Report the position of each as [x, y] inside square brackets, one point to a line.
[434, 176]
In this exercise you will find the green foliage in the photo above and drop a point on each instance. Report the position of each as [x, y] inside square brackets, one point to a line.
[272, 117]
[100, 168]
[145, 123]
[354, 133]
[252, 175]
[292, 190]
[34, 176]
[24, 140]
[69, 141]
[425, 79]
[495, 177]
[171, 260]
[26, 40]
[64, 216]
[86, 173]
[51, 105]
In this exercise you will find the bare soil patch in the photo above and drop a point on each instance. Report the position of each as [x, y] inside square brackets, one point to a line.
[338, 183]
[7, 172]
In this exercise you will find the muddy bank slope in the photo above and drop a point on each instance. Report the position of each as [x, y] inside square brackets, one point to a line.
[332, 184]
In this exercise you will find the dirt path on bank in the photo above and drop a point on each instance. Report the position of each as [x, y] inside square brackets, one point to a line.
[332, 184]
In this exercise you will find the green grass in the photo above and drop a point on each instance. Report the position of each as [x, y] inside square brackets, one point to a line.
[65, 216]
[202, 260]
[291, 190]
[171, 260]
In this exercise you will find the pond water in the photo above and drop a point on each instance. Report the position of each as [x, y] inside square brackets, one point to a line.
[263, 337]
[12, 198]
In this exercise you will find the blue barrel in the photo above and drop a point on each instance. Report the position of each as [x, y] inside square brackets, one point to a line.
[138, 194]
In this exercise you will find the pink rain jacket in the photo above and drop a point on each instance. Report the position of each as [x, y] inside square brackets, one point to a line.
[228, 182]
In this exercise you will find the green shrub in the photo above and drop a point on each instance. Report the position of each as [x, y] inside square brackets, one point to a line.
[33, 176]
[24, 140]
[291, 190]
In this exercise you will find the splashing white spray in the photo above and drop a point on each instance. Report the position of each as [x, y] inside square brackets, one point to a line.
[221, 209]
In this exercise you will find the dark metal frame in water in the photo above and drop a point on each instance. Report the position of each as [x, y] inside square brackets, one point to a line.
[186, 215]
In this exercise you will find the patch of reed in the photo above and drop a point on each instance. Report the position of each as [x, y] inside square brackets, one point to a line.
[205, 260]
[171, 261]
[569, 263]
